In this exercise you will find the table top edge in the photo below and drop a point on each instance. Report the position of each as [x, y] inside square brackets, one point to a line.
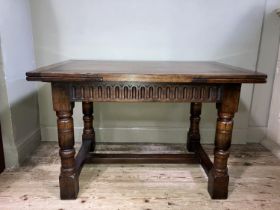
[247, 76]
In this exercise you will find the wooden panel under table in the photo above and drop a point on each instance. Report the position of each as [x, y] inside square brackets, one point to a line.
[143, 92]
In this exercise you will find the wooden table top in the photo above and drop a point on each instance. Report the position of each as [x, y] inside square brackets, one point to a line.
[145, 71]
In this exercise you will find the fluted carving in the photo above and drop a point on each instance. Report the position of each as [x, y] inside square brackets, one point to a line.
[101, 91]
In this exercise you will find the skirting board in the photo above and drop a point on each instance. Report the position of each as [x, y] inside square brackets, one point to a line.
[28, 145]
[272, 146]
[154, 135]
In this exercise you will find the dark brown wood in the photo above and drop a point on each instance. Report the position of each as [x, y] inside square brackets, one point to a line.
[218, 177]
[88, 132]
[68, 179]
[193, 134]
[141, 158]
[143, 92]
[82, 155]
[144, 81]
[2, 159]
[204, 159]
[145, 71]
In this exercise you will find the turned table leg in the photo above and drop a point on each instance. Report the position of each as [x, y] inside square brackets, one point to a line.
[218, 178]
[68, 179]
[193, 134]
[88, 132]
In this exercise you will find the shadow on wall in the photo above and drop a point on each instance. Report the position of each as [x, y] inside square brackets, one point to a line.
[19, 118]
[10, 151]
[25, 124]
[20, 128]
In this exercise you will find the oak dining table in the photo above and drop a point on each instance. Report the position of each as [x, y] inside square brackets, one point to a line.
[194, 82]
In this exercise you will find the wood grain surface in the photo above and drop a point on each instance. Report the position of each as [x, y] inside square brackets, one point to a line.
[145, 71]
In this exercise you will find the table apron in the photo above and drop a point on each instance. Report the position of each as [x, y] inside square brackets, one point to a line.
[143, 92]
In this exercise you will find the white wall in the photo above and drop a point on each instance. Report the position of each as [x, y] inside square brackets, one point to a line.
[267, 60]
[19, 105]
[272, 140]
[226, 31]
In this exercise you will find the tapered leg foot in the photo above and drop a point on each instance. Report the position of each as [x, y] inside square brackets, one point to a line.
[218, 186]
[69, 187]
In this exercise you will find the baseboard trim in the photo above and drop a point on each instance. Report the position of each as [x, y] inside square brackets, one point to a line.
[272, 146]
[151, 135]
[28, 145]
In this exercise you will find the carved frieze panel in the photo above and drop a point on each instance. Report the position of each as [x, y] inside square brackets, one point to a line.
[150, 92]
